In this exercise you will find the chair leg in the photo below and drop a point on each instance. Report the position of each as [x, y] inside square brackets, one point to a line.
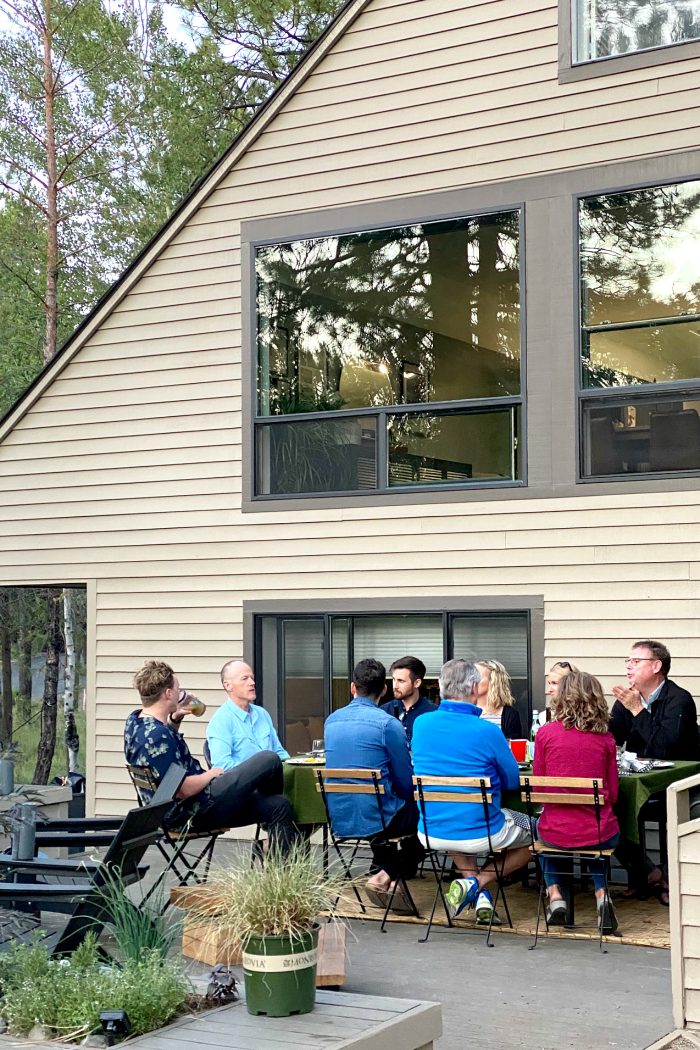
[541, 891]
[439, 893]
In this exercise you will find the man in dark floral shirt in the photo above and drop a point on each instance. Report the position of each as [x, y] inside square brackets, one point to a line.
[251, 793]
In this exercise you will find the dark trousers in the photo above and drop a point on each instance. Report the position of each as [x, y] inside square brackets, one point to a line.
[632, 856]
[398, 863]
[250, 793]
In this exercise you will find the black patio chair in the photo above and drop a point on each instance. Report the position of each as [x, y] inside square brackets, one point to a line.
[467, 790]
[83, 899]
[565, 791]
[173, 843]
[359, 782]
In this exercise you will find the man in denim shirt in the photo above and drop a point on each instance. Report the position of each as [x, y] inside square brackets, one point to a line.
[361, 736]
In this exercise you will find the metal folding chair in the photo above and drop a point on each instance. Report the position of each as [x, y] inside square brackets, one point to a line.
[437, 789]
[565, 791]
[174, 842]
[359, 782]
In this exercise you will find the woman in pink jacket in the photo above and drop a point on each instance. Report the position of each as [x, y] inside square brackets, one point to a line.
[577, 743]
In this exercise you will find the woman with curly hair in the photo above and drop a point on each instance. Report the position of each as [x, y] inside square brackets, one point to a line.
[496, 700]
[577, 743]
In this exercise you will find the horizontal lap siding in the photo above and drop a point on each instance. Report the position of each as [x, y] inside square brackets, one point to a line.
[127, 470]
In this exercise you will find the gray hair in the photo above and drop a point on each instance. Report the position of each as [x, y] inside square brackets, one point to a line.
[457, 679]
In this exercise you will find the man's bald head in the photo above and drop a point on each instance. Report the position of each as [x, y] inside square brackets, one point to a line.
[238, 680]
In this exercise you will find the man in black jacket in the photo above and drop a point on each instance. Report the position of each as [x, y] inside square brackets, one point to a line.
[407, 676]
[653, 716]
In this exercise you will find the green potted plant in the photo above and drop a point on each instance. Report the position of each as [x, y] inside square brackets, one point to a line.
[270, 914]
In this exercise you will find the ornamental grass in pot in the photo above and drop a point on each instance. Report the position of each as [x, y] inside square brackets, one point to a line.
[270, 913]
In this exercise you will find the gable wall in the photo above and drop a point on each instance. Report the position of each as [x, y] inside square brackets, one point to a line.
[127, 471]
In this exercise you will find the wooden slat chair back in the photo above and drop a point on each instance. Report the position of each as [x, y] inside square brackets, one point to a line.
[174, 842]
[564, 791]
[461, 790]
[343, 781]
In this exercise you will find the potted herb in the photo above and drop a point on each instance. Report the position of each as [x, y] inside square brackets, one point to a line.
[270, 913]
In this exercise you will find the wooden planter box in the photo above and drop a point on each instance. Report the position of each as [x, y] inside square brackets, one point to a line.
[209, 946]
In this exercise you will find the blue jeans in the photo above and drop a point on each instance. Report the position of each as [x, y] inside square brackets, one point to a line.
[555, 867]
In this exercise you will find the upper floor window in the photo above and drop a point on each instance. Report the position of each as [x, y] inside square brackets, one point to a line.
[640, 331]
[603, 28]
[390, 358]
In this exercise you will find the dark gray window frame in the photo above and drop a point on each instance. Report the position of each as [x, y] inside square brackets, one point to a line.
[550, 269]
[571, 72]
[471, 405]
[622, 394]
[531, 604]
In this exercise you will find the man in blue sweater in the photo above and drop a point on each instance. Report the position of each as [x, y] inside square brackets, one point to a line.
[361, 736]
[456, 742]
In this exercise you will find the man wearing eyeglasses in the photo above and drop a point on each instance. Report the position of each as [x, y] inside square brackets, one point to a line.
[653, 716]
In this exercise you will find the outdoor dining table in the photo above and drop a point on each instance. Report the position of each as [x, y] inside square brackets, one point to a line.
[300, 789]
[635, 789]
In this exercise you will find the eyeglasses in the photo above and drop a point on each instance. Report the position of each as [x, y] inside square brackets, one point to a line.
[563, 663]
[634, 660]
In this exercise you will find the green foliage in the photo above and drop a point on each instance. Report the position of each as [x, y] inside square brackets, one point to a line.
[140, 115]
[27, 737]
[67, 995]
[137, 930]
[283, 897]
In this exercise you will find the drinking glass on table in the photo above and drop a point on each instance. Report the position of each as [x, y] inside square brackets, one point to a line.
[317, 746]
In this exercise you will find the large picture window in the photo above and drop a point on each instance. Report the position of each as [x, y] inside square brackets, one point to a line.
[640, 331]
[390, 359]
[603, 28]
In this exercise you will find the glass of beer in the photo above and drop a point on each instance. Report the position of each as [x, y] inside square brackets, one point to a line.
[190, 702]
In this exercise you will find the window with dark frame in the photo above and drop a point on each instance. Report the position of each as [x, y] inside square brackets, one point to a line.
[304, 661]
[390, 359]
[606, 28]
[640, 331]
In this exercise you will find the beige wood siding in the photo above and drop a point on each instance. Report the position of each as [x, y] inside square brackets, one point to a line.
[127, 470]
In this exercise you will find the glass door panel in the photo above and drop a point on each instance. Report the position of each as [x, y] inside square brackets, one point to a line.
[500, 637]
[303, 677]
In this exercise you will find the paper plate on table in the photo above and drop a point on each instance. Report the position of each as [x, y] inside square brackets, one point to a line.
[662, 763]
[305, 760]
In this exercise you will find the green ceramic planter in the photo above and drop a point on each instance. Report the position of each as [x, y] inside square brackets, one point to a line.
[280, 974]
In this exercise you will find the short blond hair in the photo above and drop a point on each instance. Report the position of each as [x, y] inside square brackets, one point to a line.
[579, 703]
[152, 680]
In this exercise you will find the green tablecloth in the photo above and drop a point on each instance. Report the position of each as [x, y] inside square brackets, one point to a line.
[635, 789]
[300, 789]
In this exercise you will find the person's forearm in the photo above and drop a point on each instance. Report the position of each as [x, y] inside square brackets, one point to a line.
[196, 783]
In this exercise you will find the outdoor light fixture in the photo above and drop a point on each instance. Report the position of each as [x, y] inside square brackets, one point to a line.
[115, 1025]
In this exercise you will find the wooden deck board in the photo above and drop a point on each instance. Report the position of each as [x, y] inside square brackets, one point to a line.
[339, 1022]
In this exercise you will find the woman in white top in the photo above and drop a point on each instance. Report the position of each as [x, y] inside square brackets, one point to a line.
[496, 700]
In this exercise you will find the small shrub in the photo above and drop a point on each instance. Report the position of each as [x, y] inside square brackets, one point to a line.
[67, 995]
[282, 898]
[137, 929]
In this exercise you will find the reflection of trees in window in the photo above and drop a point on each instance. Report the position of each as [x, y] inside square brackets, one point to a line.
[339, 317]
[614, 27]
[639, 267]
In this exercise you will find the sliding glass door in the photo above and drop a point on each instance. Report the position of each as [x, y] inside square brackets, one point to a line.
[304, 662]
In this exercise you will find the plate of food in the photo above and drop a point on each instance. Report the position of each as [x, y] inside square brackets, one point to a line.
[306, 760]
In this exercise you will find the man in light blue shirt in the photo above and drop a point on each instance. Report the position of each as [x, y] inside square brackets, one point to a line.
[240, 728]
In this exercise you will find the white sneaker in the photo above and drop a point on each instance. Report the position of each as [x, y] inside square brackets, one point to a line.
[484, 910]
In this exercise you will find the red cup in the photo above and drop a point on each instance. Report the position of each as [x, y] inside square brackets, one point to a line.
[519, 749]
